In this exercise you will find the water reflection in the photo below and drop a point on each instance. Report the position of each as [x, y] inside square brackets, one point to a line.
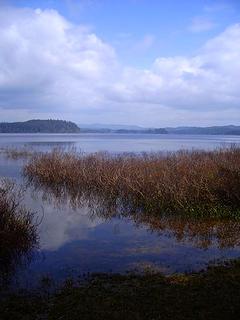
[78, 237]
[61, 224]
[201, 233]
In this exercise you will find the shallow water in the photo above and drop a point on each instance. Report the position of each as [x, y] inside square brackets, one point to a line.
[74, 242]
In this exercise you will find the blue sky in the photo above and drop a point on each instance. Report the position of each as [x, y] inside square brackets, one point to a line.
[153, 63]
[142, 30]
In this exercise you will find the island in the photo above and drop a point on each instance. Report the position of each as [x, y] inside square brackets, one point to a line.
[39, 126]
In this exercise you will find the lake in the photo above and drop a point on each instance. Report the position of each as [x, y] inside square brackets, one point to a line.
[117, 142]
[75, 241]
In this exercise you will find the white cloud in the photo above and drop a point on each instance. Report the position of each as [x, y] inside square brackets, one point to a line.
[51, 66]
[207, 81]
[46, 61]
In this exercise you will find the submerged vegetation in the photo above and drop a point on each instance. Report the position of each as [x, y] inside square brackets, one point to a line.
[17, 153]
[17, 231]
[212, 294]
[196, 183]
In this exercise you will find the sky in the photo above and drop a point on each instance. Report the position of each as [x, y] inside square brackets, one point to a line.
[151, 63]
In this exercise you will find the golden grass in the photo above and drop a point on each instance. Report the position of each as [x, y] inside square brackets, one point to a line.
[201, 183]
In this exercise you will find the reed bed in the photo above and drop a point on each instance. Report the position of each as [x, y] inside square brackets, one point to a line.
[17, 230]
[199, 183]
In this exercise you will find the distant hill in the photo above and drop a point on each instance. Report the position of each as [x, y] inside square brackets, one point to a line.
[142, 131]
[151, 131]
[39, 126]
[119, 128]
[61, 126]
[111, 127]
[218, 130]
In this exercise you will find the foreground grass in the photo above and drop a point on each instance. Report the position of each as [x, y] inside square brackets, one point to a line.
[198, 183]
[212, 294]
[17, 231]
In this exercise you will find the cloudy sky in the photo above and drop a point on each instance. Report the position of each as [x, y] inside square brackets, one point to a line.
[145, 62]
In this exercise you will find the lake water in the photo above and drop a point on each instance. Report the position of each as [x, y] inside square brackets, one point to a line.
[74, 242]
[117, 142]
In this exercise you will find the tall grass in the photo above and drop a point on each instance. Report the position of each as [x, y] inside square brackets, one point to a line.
[199, 183]
[17, 230]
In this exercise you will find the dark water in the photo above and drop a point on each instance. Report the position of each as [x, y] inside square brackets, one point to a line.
[75, 241]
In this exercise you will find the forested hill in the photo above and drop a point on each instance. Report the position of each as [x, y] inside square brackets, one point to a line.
[224, 130]
[39, 126]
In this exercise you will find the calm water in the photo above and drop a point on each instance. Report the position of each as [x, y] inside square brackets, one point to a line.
[74, 242]
[117, 142]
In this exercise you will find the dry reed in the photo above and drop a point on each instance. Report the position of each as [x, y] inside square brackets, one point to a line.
[201, 183]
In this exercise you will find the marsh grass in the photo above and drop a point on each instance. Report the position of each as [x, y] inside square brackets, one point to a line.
[17, 230]
[195, 183]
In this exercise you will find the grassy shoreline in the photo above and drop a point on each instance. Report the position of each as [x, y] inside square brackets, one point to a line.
[212, 294]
